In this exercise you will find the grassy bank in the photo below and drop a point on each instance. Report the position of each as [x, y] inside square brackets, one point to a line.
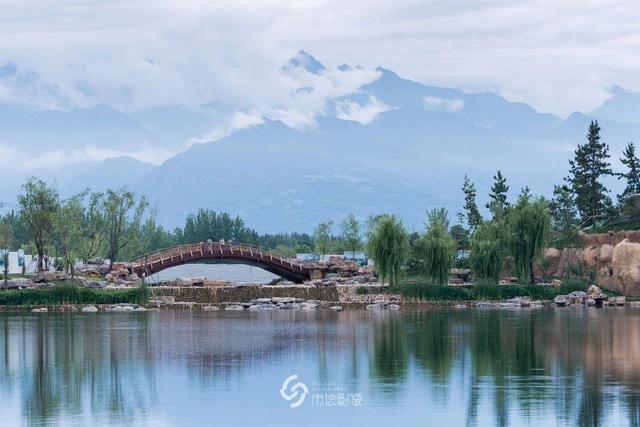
[72, 294]
[413, 290]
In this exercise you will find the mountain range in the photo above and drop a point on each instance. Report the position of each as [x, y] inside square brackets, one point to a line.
[392, 145]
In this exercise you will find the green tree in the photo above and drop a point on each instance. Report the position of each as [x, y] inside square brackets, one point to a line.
[488, 251]
[564, 216]
[474, 219]
[93, 227]
[387, 245]
[529, 223]
[38, 205]
[498, 203]
[589, 166]
[6, 238]
[460, 235]
[438, 247]
[123, 212]
[629, 200]
[351, 233]
[322, 237]
[68, 226]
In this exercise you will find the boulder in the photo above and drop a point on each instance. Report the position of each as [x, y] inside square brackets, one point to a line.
[577, 297]
[625, 268]
[618, 300]
[335, 308]
[393, 307]
[210, 308]
[373, 307]
[460, 306]
[519, 302]
[234, 307]
[184, 281]
[596, 293]
[308, 306]
[89, 309]
[40, 310]
[507, 305]
[485, 304]
[561, 300]
[19, 282]
[282, 300]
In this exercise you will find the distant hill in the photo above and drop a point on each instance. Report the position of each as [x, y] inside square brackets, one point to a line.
[393, 145]
[111, 173]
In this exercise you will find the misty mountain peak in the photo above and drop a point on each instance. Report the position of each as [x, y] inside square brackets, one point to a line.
[305, 61]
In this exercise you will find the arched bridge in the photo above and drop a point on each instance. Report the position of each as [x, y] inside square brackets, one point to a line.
[221, 252]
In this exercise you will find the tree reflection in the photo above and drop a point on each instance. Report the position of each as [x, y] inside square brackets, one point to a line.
[577, 366]
[389, 354]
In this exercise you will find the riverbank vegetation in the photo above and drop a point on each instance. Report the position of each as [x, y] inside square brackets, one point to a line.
[67, 293]
[416, 289]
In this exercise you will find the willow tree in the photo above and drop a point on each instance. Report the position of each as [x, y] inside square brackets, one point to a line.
[488, 251]
[438, 247]
[529, 223]
[388, 246]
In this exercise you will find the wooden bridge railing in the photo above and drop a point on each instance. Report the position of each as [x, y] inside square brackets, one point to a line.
[198, 250]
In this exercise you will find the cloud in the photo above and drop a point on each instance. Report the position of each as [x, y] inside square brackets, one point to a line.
[21, 162]
[557, 56]
[239, 120]
[433, 103]
[365, 114]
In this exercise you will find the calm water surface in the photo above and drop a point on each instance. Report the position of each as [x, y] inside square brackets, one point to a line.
[416, 367]
[238, 273]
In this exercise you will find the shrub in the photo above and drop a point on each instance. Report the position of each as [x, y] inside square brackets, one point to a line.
[361, 290]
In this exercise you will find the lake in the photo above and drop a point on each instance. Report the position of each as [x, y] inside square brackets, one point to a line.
[237, 273]
[539, 367]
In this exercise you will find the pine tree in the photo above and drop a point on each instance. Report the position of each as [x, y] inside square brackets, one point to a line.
[498, 204]
[474, 219]
[629, 200]
[563, 215]
[589, 166]
[631, 161]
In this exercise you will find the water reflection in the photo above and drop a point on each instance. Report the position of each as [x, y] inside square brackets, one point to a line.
[568, 367]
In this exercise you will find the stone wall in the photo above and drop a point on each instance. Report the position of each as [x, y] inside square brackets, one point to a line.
[217, 295]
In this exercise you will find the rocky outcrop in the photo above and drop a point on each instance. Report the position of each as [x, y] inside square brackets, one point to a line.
[623, 270]
[613, 259]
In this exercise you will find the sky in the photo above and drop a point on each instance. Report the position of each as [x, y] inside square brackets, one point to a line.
[558, 56]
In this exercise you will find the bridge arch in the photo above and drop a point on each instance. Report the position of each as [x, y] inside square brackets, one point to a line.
[232, 253]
